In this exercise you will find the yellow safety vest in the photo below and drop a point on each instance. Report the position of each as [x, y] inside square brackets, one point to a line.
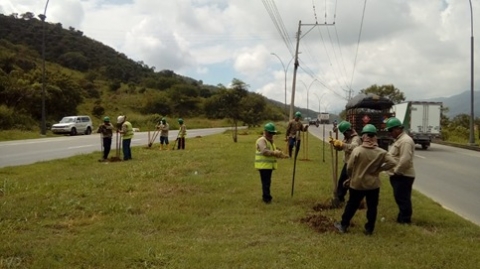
[265, 162]
[129, 133]
[182, 132]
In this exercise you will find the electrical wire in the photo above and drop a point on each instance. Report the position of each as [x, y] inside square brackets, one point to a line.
[358, 43]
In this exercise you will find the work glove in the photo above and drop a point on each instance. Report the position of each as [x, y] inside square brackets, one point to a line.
[346, 183]
[279, 154]
[337, 144]
[331, 140]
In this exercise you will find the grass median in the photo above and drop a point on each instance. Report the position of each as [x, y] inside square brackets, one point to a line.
[202, 208]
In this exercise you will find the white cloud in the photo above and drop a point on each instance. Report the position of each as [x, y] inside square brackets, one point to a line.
[421, 46]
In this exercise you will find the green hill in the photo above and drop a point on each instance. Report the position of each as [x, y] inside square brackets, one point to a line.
[84, 76]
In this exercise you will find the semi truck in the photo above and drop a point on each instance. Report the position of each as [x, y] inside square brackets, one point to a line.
[421, 120]
[370, 109]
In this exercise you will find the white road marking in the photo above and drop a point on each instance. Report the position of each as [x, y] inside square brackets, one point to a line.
[420, 156]
[84, 146]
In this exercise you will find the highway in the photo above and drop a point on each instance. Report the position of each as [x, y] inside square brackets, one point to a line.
[445, 174]
[22, 152]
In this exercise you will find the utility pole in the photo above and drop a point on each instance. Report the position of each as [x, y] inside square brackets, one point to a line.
[43, 127]
[292, 104]
[471, 140]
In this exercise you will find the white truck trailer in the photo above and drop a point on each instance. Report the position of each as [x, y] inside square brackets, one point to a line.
[421, 120]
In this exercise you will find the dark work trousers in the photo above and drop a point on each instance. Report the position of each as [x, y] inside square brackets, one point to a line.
[353, 203]
[107, 145]
[266, 178]
[291, 144]
[181, 143]
[341, 190]
[402, 192]
[127, 153]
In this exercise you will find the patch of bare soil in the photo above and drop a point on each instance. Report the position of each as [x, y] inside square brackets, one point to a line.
[319, 223]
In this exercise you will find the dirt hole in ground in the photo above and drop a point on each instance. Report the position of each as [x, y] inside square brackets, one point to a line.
[319, 223]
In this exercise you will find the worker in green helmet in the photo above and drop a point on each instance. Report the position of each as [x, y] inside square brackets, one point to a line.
[106, 131]
[265, 159]
[292, 135]
[350, 141]
[363, 169]
[402, 176]
[182, 133]
[164, 127]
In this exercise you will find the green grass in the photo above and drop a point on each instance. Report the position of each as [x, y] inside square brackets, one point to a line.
[201, 208]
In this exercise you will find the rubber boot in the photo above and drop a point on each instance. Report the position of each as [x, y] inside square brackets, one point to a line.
[161, 146]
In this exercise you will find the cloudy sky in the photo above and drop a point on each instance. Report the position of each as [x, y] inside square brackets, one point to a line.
[422, 46]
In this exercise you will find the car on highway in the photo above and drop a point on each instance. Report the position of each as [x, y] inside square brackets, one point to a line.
[315, 122]
[73, 125]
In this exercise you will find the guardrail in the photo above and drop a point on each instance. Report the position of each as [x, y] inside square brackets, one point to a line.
[463, 146]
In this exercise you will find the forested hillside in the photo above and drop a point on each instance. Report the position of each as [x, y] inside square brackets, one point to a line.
[84, 76]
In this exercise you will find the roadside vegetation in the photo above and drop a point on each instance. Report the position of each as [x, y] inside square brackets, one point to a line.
[202, 208]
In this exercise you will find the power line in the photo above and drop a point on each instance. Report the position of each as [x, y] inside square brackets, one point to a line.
[358, 44]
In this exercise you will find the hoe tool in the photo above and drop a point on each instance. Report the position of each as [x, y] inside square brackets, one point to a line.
[154, 137]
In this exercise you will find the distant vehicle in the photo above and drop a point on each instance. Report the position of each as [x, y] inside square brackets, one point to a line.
[324, 118]
[421, 120]
[73, 125]
[315, 122]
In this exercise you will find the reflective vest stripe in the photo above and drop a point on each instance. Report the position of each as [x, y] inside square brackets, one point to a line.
[265, 162]
[129, 133]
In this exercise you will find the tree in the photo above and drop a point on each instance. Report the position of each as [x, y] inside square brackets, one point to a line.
[233, 100]
[253, 109]
[388, 91]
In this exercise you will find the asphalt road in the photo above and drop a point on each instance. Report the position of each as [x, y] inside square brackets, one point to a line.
[21, 152]
[445, 174]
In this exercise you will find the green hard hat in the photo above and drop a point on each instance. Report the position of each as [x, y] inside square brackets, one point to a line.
[164, 120]
[180, 120]
[270, 127]
[106, 119]
[393, 122]
[298, 114]
[369, 129]
[344, 126]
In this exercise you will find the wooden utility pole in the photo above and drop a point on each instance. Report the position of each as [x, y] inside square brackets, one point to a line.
[296, 64]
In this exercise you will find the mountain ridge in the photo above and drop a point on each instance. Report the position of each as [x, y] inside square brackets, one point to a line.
[459, 103]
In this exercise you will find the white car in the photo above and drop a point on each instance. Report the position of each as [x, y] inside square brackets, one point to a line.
[73, 125]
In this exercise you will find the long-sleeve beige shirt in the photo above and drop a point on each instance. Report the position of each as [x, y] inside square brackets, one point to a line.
[364, 167]
[349, 145]
[293, 127]
[402, 151]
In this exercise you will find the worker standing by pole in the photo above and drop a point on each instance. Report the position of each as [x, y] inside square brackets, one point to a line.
[363, 168]
[265, 159]
[182, 133]
[126, 130]
[351, 140]
[292, 133]
[106, 131]
[164, 128]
